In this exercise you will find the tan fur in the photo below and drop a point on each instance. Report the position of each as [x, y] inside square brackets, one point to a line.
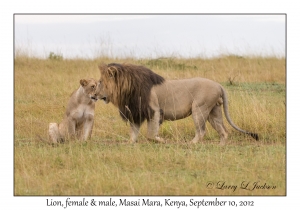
[174, 100]
[79, 117]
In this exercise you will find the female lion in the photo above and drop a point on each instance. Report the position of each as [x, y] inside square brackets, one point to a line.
[79, 117]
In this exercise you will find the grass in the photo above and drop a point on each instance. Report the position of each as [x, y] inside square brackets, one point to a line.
[106, 165]
[97, 168]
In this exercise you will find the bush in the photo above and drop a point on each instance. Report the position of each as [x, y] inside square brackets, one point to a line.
[53, 56]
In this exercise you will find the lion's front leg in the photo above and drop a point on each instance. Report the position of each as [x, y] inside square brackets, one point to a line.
[134, 132]
[70, 128]
[87, 128]
[153, 127]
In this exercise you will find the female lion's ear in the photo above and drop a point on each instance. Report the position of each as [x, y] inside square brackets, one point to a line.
[83, 82]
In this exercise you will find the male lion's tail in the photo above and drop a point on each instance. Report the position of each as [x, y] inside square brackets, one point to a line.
[225, 107]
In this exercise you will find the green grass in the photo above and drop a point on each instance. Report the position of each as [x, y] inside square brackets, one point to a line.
[97, 168]
[107, 165]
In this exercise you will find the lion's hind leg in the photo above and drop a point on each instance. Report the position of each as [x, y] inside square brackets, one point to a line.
[199, 114]
[216, 120]
[54, 133]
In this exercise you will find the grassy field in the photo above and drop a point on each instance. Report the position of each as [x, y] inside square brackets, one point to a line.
[106, 165]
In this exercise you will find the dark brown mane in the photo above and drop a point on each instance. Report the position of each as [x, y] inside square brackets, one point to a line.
[131, 89]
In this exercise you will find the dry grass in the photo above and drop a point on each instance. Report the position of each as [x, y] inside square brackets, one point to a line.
[106, 165]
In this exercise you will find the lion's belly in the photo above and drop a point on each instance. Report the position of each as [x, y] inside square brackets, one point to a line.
[175, 114]
[174, 108]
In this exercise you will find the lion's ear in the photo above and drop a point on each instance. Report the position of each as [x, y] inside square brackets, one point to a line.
[104, 69]
[83, 82]
[111, 74]
[112, 71]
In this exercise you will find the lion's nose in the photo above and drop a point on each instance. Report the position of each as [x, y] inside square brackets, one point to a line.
[94, 97]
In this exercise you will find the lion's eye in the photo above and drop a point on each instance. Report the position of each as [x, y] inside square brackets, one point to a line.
[93, 86]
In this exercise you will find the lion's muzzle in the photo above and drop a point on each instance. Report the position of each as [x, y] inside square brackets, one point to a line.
[94, 98]
[105, 99]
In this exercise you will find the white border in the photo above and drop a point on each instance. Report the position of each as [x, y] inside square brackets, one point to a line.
[8, 201]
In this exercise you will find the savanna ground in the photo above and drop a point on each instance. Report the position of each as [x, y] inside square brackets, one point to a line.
[107, 165]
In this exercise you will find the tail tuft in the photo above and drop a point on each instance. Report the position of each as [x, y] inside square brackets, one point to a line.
[254, 135]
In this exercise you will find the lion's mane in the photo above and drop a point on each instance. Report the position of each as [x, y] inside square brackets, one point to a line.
[130, 87]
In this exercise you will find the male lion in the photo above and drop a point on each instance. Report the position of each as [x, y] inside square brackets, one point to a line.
[141, 94]
[79, 117]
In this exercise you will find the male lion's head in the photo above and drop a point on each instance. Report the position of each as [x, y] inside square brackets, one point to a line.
[106, 85]
[89, 87]
[128, 87]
